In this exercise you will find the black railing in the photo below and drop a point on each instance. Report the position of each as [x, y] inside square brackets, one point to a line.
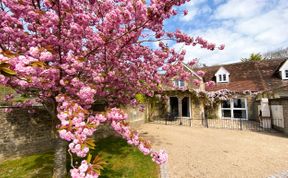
[233, 124]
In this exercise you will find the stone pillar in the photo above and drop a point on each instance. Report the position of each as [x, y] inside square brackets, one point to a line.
[265, 114]
[180, 109]
[180, 106]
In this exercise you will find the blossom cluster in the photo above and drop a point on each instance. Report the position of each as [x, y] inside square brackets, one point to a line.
[222, 95]
[78, 125]
[132, 137]
[85, 170]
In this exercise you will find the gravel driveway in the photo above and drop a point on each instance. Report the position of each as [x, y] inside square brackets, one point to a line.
[215, 153]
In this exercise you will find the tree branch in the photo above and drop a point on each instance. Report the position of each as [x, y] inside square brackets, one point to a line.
[117, 38]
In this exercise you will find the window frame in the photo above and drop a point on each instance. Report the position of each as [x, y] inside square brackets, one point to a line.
[223, 78]
[232, 109]
[220, 77]
[286, 74]
[178, 83]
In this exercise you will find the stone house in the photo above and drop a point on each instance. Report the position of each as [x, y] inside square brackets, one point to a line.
[268, 78]
[179, 99]
[254, 76]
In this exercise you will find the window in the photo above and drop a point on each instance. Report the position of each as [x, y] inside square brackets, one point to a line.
[179, 83]
[286, 74]
[234, 109]
[220, 78]
[224, 77]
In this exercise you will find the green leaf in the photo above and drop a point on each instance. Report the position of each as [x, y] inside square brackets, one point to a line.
[4, 64]
[89, 157]
[7, 72]
[98, 164]
[39, 64]
[8, 54]
[90, 143]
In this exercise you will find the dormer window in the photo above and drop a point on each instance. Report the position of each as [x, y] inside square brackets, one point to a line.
[224, 78]
[284, 71]
[179, 83]
[222, 75]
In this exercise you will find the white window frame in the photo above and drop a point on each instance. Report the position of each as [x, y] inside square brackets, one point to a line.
[285, 76]
[231, 109]
[222, 75]
[223, 78]
[178, 83]
[283, 69]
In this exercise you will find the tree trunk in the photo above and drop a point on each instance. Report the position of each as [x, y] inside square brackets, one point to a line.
[60, 154]
[59, 170]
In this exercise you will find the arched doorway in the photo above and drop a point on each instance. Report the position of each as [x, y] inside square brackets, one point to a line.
[185, 107]
[174, 106]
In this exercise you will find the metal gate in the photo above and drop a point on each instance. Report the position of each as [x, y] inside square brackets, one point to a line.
[234, 124]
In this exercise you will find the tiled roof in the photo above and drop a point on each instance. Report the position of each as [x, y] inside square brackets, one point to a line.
[254, 76]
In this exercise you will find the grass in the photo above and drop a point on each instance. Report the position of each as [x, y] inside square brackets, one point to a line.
[123, 161]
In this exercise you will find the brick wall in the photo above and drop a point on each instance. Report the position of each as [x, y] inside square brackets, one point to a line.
[24, 133]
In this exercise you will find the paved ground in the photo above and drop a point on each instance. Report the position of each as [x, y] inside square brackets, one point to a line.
[215, 153]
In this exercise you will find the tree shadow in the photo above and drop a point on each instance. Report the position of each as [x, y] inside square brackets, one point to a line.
[42, 166]
[274, 133]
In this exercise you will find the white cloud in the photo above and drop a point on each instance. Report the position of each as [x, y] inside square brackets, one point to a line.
[193, 10]
[240, 9]
[245, 27]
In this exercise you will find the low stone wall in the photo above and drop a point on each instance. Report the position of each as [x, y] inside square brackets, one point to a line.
[23, 133]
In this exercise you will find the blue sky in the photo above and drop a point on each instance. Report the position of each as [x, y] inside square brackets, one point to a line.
[244, 26]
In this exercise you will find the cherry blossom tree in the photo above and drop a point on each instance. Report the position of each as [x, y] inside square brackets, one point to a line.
[68, 54]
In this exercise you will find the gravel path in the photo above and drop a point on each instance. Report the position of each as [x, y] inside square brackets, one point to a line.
[215, 153]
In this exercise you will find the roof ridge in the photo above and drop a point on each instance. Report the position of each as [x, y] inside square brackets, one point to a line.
[240, 62]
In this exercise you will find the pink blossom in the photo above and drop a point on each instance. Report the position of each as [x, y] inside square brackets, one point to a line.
[46, 56]
[159, 157]
[210, 84]
[221, 47]
[116, 115]
[201, 73]
[82, 171]
[145, 150]
[34, 51]
[185, 12]
[196, 82]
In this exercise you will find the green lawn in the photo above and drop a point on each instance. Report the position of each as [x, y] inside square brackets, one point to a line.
[122, 161]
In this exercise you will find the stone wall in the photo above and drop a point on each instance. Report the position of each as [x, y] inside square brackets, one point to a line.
[135, 116]
[252, 108]
[197, 110]
[284, 103]
[22, 132]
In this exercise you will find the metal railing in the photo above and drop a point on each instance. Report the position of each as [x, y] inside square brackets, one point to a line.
[233, 124]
